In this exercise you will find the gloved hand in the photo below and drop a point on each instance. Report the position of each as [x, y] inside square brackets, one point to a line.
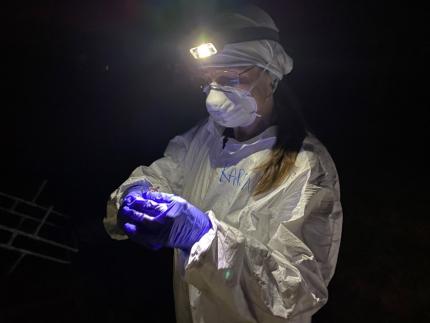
[134, 192]
[163, 220]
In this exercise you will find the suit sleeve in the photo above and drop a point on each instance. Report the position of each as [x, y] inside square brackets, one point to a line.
[164, 174]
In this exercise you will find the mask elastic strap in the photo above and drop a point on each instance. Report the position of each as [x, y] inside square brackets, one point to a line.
[254, 84]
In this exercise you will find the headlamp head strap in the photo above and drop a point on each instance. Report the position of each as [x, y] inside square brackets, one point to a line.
[248, 34]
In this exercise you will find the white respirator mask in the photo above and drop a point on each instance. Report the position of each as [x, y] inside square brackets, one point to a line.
[230, 107]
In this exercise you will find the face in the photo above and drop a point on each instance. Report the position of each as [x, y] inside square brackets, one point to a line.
[244, 78]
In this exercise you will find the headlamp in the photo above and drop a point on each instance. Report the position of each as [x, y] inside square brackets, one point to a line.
[211, 45]
[204, 50]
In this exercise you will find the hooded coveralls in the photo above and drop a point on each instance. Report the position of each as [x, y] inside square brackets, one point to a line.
[267, 258]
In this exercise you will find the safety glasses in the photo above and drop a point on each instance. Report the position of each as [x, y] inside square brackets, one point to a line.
[222, 77]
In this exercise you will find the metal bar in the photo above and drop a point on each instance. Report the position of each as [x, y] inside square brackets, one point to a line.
[43, 221]
[13, 207]
[31, 204]
[14, 234]
[32, 236]
[21, 221]
[36, 254]
[29, 217]
[11, 270]
[39, 191]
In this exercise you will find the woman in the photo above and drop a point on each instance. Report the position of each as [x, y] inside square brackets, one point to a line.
[248, 198]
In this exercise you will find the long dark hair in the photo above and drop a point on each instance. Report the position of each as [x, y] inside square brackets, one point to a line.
[291, 132]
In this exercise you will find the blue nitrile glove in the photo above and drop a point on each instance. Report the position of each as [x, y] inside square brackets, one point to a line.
[163, 220]
[135, 191]
[148, 235]
[130, 194]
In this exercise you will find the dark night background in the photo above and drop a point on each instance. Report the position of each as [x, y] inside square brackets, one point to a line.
[92, 89]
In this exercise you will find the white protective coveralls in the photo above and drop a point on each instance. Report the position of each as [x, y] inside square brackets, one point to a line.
[267, 258]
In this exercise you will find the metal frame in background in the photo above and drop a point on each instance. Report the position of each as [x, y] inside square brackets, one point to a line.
[46, 220]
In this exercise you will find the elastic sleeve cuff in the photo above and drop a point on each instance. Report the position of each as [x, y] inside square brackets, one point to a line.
[203, 245]
[110, 222]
